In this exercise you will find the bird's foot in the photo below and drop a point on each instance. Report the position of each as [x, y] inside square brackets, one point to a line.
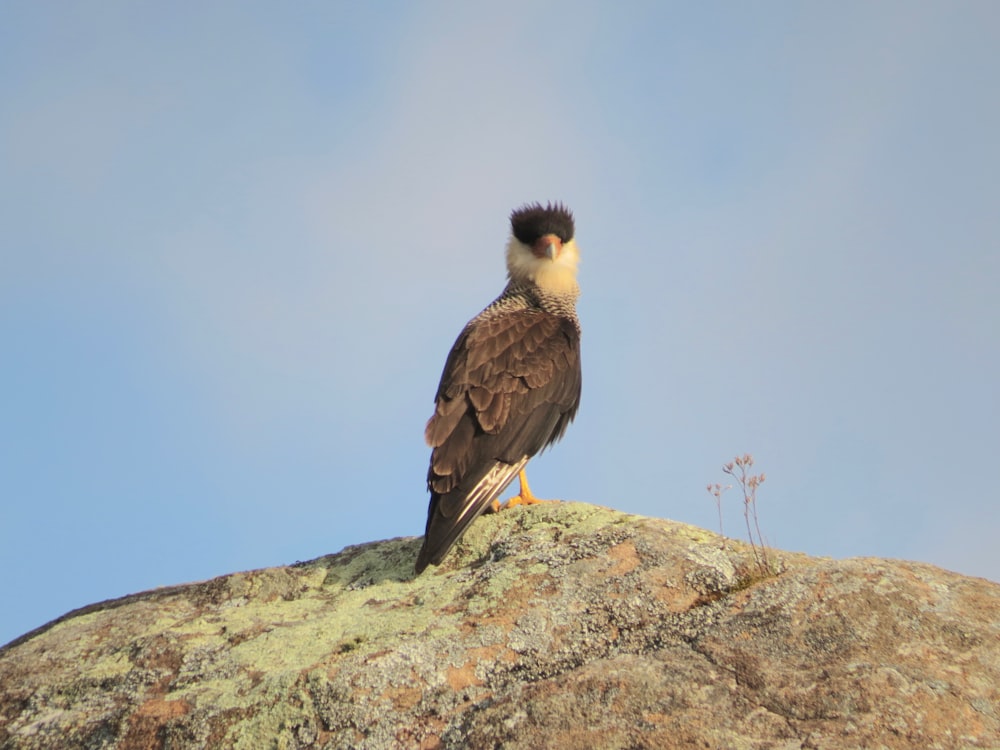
[521, 499]
[524, 497]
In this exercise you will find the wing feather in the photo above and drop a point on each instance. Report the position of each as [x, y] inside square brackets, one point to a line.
[510, 387]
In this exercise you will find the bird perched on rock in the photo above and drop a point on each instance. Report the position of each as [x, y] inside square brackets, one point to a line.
[511, 383]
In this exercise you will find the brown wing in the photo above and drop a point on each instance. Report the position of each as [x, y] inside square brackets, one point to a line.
[511, 386]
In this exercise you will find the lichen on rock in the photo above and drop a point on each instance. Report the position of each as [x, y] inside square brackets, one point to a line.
[559, 625]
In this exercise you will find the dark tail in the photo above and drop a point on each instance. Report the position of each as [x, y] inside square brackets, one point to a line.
[448, 516]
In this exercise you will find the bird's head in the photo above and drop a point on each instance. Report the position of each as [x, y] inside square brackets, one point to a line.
[542, 249]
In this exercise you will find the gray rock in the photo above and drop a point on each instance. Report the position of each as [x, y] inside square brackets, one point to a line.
[554, 626]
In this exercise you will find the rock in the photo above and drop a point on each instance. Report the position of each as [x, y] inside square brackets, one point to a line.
[553, 626]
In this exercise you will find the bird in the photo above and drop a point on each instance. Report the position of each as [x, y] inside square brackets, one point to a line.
[511, 382]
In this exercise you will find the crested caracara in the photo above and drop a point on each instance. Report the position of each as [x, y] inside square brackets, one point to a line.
[511, 383]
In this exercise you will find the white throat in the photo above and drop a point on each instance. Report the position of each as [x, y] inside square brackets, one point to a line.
[557, 276]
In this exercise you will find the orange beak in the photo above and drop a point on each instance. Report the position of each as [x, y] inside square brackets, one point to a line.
[548, 246]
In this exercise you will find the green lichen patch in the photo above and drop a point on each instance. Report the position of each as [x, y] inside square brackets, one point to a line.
[654, 631]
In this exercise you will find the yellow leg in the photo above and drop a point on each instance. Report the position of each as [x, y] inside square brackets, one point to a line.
[524, 497]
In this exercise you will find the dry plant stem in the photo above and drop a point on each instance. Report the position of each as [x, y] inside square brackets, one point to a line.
[760, 537]
[737, 468]
[716, 490]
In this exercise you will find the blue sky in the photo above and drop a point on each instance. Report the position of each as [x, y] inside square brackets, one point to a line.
[238, 240]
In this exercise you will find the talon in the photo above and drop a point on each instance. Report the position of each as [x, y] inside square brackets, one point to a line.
[524, 497]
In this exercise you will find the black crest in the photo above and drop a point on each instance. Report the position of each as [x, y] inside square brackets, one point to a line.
[533, 220]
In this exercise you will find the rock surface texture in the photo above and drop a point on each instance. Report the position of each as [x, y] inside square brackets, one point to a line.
[553, 626]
